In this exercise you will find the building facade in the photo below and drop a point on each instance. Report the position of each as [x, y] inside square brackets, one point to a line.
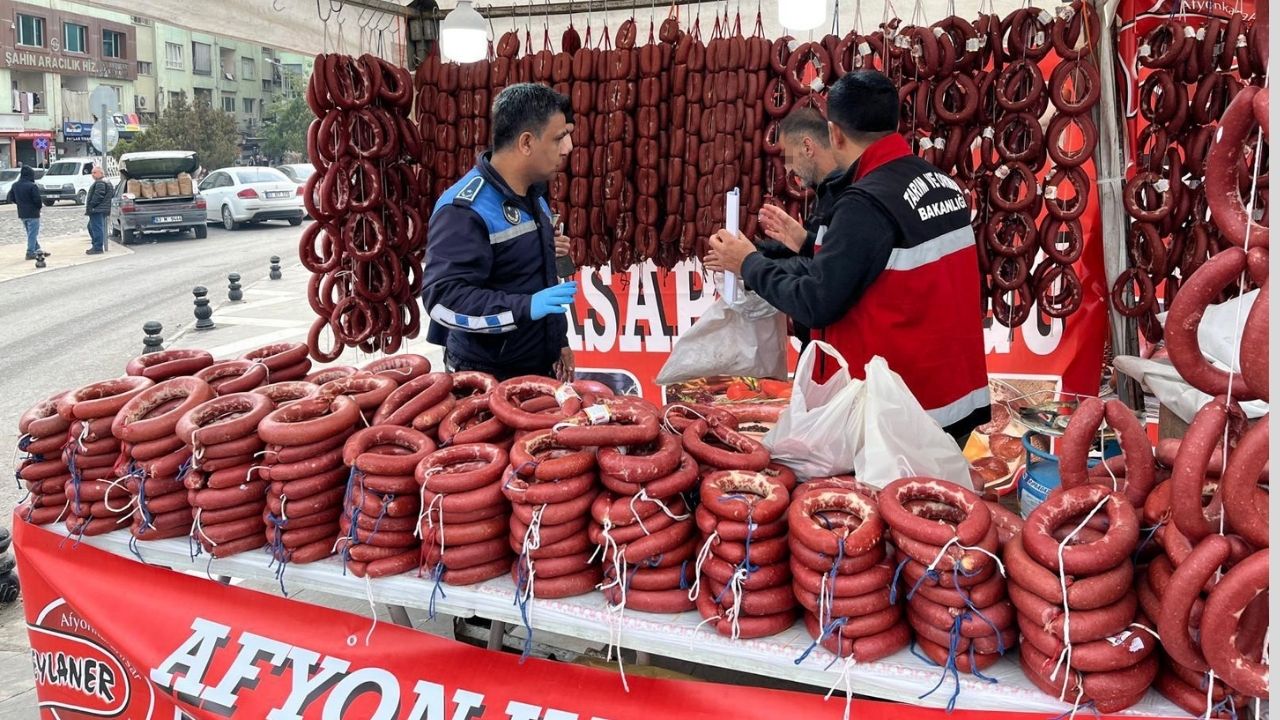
[54, 53]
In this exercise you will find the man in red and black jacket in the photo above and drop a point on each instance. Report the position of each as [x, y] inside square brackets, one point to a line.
[897, 273]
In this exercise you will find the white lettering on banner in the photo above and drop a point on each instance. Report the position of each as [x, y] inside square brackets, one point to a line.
[1040, 339]
[467, 705]
[193, 656]
[307, 687]
[517, 710]
[244, 670]
[356, 684]
[644, 304]
[1043, 339]
[601, 325]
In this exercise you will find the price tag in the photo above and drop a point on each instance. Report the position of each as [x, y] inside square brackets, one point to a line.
[1051, 192]
[917, 50]
[972, 45]
[1241, 41]
[817, 85]
[940, 143]
[1045, 18]
[1066, 12]
[1190, 32]
[1200, 34]
[1162, 185]
[1157, 91]
[1194, 183]
[598, 414]
[566, 392]
[1144, 50]
[1002, 172]
[863, 49]
[926, 144]
[989, 133]
[1039, 38]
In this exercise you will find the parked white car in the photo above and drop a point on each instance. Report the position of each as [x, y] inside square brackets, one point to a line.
[9, 176]
[241, 195]
[297, 172]
[70, 178]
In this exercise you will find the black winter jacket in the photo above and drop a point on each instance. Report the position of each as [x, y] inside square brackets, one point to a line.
[26, 194]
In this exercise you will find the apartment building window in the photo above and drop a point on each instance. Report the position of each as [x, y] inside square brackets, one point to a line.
[246, 68]
[112, 44]
[229, 103]
[173, 56]
[30, 30]
[174, 97]
[75, 38]
[201, 59]
[144, 68]
[248, 106]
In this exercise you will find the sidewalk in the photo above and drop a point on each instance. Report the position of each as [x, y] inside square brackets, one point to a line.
[68, 251]
[275, 311]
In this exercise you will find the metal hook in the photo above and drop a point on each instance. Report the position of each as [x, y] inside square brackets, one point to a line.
[324, 18]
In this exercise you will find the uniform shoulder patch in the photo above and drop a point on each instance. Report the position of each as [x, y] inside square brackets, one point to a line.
[469, 191]
[511, 213]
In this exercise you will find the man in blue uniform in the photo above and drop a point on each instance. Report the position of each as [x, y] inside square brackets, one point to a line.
[490, 286]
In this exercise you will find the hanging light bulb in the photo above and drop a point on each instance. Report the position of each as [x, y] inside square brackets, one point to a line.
[464, 34]
[802, 14]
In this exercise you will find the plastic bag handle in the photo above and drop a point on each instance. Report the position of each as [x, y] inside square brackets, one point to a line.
[804, 367]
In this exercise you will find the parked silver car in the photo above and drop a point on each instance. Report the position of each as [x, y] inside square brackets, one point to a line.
[132, 214]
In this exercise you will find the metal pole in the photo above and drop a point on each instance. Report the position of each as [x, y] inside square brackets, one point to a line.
[1110, 169]
[102, 118]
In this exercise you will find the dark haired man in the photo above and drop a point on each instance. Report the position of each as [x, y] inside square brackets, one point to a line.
[806, 153]
[897, 273]
[490, 285]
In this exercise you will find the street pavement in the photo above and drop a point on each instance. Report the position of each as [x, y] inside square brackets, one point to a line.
[72, 324]
[63, 218]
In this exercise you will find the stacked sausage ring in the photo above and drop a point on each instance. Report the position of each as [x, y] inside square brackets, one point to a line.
[956, 598]
[744, 571]
[284, 361]
[308, 476]
[1136, 474]
[167, 364]
[421, 402]
[641, 523]
[383, 461]
[227, 495]
[1104, 643]
[157, 458]
[551, 488]
[41, 468]
[99, 502]
[464, 520]
[841, 573]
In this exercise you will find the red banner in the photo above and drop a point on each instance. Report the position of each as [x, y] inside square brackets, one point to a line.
[625, 324]
[111, 637]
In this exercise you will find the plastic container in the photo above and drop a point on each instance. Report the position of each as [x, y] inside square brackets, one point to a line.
[1041, 474]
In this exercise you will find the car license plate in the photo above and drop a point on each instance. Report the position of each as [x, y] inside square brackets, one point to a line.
[280, 194]
[167, 219]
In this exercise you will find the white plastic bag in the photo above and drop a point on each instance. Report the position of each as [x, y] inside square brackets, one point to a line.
[899, 439]
[819, 433]
[747, 339]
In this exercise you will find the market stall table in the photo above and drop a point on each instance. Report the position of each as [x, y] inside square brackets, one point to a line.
[901, 677]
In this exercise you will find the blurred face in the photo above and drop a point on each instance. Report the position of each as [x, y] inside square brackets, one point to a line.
[797, 156]
[547, 151]
[97, 173]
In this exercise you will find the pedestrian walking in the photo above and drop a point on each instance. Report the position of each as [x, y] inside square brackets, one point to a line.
[25, 194]
[97, 206]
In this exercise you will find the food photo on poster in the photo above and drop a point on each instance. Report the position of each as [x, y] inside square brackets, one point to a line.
[788, 359]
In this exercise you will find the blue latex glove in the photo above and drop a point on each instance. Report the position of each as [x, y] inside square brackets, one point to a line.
[552, 300]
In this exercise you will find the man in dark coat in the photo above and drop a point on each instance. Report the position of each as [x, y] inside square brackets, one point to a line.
[26, 195]
[97, 206]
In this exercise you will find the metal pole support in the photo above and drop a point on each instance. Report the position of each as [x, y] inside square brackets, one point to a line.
[204, 313]
[234, 294]
[152, 342]
[275, 268]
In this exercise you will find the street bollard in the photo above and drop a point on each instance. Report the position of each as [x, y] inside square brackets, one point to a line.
[275, 267]
[204, 313]
[234, 293]
[152, 342]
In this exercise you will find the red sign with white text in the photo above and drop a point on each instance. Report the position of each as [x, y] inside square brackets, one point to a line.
[112, 637]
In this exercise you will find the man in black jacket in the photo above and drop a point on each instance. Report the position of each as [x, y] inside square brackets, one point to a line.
[26, 195]
[806, 152]
[97, 206]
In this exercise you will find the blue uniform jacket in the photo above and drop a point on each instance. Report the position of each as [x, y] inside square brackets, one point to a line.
[488, 251]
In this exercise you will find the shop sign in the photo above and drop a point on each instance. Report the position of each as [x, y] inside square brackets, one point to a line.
[33, 134]
[75, 130]
[27, 60]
